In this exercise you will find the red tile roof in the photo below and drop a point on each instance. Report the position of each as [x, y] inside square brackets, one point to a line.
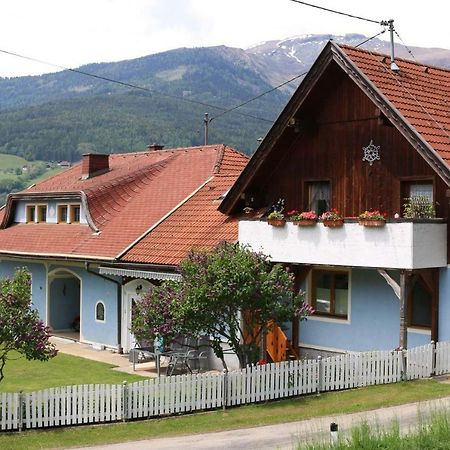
[136, 194]
[197, 224]
[420, 93]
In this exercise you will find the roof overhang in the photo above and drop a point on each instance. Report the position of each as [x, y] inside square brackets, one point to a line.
[136, 273]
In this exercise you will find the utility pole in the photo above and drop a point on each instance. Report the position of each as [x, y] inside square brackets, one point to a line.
[206, 121]
[390, 24]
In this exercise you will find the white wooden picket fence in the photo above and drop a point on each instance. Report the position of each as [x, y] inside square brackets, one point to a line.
[99, 403]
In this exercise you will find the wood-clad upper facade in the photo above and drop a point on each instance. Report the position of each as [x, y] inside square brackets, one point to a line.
[324, 141]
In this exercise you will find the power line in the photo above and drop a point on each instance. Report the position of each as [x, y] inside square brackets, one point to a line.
[257, 97]
[130, 85]
[337, 12]
[406, 47]
[369, 39]
[282, 84]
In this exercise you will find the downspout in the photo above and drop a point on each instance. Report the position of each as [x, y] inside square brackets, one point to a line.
[119, 304]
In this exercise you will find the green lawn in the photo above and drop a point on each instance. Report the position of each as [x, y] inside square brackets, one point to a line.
[63, 370]
[247, 416]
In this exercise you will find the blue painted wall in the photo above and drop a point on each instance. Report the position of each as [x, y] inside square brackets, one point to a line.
[94, 289]
[39, 285]
[64, 302]
[444, 304]
[374, 319]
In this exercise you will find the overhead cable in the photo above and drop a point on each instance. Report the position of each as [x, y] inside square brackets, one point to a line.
[337, 12]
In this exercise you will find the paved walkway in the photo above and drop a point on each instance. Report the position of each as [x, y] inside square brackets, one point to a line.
[288, 435]
[75, 348]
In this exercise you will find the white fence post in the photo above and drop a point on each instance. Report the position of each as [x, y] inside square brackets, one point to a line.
[405, 358]
[124, 401]
[319, 375]
[433, 358]
[20, 411]
[225, 389]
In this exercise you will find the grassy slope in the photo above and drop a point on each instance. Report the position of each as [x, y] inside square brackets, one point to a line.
[240, 417]
[11, 161]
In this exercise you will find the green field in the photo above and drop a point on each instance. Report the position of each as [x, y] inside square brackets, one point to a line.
[14, 179]
[11, 162]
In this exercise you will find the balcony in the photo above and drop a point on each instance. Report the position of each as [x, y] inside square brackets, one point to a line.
[400, 244]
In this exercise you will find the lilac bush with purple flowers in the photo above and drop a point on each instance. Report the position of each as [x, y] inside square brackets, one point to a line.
[21, 330]
[231, 294]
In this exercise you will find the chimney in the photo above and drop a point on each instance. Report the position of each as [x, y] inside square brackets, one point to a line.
[93, 165]
[154, 147]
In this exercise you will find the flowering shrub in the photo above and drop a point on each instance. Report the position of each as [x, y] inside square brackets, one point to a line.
[332, 214]
[372, 215]
[294, 215]
[21, 330]
[230, 293]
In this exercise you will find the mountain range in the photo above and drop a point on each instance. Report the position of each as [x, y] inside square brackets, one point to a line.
[62, 115]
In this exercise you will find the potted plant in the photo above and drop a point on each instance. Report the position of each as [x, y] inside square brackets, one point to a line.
[419, 207]
[332, 218]
[276, 219]
[302, 219]
[372, 218]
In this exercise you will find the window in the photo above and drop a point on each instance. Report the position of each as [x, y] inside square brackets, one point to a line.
[42, 213]
[100, 312]
[31, 213]
[63, 213]
[419, 305]
[329, 293]
[319, 196]
[75, 213]
[421, 189]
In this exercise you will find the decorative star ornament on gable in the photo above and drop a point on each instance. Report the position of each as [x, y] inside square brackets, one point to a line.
[371, 153]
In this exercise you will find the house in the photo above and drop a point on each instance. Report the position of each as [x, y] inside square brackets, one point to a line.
[98, 235]
[356, 136]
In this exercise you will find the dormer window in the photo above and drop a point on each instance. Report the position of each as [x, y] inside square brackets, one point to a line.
[69, 213]
[31, 213]
[41, 213]
[63, 213]
[75, 213]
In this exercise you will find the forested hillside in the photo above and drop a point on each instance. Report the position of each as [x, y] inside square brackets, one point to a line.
[59, 116]
[85, 114]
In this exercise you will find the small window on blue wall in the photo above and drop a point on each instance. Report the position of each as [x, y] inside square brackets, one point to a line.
[100, 312]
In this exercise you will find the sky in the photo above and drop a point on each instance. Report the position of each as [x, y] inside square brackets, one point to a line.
[71, 33]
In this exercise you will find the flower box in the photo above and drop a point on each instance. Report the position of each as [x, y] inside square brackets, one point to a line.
[304, 222]
[276, 222]
[372, 223]
[333, 223]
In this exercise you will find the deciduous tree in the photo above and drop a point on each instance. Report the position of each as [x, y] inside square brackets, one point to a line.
[232, 294]
[21, 330]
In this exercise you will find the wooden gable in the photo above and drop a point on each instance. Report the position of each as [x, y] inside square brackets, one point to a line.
[320, 136]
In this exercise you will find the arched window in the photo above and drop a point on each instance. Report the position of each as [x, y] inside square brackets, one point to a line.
[100, 312]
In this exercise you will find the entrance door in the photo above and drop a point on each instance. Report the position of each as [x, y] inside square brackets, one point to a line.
[131, 293]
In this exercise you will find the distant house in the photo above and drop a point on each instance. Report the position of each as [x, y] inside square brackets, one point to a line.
[98, 235]
[357, 136]
[64, 164]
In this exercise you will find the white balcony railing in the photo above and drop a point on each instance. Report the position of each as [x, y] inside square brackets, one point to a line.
[397, 245]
